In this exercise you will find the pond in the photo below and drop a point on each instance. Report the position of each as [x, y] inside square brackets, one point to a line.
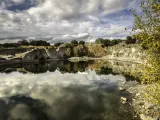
[62, 90]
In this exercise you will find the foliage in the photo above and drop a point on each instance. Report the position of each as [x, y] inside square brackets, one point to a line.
[67, 45]
[95, 50]
[99, 41]
[130, 40]
[80, 51]
[74, 43]
[81, 43]
[7, 45]
[39, 43]
[23, 42]
[58, 44]
[107, 42]
[149, 24]
[114, 42]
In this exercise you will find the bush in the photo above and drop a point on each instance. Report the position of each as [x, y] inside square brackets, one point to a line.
[114, 42]
[81, 43]
[39, 43]
[67, 45]
[99, 41]
[10, 45]
[58, 44]
[80, 51]
[68, 52]
[74, 43]
[107, 42]
[130, 40]
[23, 42]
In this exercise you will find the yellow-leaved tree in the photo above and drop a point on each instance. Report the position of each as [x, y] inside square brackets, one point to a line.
[148, 23]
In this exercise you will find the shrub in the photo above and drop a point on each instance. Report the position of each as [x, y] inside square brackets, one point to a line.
[74, 43]
[80, 51]
[39, 43]
[81, 43]
[58, 44]
[130, 40]
[23, 42]
[99, 41]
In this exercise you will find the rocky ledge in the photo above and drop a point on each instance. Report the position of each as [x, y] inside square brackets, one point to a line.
[145, 109]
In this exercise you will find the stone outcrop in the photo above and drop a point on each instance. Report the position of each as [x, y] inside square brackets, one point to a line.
[57, 53]
[36, 54]
[123, 52]
[52, 52]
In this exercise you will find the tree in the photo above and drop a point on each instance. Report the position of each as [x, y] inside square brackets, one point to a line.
[23, 42]
[81, 43]
[99, 41]
[74, 43]
[80, 51]
[58, 44]
[114, 42]
[106, 42]
[130, 40]
[39, 43]
[148, 23]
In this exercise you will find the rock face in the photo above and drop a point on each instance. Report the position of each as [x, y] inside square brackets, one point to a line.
[59, 53]
[132, 52]
[52, 52]
[42, 54]
[36, 54]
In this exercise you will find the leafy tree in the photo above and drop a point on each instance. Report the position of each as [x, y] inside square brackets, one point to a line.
[39, 43]
[106, 42]
[99, 41]
[80, 51]
[148, 23]
[68, 52]
[7, 45]
[81, 43]
[130, 40]
[114, 42]
[58, 44]
[74, 43]
[23, 42]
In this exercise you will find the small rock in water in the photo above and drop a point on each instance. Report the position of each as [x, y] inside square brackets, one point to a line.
[122, 89]
[123, 100]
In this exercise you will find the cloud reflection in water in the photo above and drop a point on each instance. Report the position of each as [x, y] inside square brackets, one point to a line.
[57, 96]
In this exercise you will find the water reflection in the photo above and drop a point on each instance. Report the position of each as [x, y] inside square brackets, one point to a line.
[63, 91]
[63, 66]
[91, 98]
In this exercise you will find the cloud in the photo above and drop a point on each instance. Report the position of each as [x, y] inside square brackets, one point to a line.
[68, 19]
[18, 1]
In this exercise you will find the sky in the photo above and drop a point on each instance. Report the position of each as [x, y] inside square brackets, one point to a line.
[65, 20]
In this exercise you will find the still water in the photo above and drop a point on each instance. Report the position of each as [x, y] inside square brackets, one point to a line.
[61, 90]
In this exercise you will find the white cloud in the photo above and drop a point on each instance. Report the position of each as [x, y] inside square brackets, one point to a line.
[67, 19]
[18, 1]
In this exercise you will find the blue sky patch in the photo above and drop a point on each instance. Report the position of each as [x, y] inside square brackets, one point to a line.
[21, 7]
